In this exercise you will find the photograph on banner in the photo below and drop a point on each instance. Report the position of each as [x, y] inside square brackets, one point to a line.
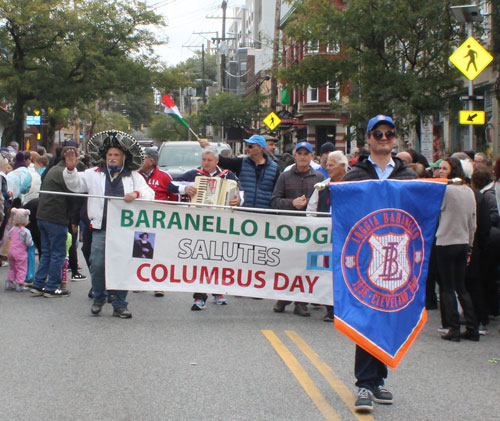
[220, 251]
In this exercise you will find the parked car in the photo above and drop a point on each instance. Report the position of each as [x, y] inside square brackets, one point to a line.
[179, 157]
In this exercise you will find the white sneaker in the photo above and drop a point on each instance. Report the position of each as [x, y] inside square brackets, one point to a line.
[443, 330]
[483, 330]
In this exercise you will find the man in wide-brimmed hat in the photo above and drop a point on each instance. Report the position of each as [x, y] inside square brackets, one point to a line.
[119, 156]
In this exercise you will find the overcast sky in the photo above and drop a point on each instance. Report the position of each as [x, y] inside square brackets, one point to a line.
[185, 17]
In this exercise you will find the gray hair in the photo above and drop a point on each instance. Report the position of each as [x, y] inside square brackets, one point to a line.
[339, 158]
[211, 149]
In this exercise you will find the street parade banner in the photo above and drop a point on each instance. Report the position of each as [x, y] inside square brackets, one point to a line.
[165, 247]
[382, 238]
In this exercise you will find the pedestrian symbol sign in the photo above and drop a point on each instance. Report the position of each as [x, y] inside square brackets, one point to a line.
[472, 117]
[471, 58]
[272, 120]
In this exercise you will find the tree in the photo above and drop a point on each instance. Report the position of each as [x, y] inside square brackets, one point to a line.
[116, 121]
[165, 128]
[393, 55]
[230, 110]
[58, 53]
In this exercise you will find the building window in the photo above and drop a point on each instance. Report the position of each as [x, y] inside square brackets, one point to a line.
[313, 47]
[332, 92]
[332, 47]
[312, 94]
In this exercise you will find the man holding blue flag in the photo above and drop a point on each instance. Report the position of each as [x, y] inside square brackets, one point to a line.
[370, 372]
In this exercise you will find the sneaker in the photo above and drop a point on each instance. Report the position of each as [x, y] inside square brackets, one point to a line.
[280, 305]
[96, 308]
[56, 293]
[329, 314]
[328, 318]
[364, 402]
[159, 294]
[36, 291]
[21, 288]
[122, 313]
[198, 305]
[78, 277]
[4, 263]
[220, 300]
[483, 330]
[452, 335]
[301, 310]
[9, 286]
[471, 335]
[382, 395]
[443, 330]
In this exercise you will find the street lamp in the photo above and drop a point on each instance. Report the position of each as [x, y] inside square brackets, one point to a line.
[467, 15]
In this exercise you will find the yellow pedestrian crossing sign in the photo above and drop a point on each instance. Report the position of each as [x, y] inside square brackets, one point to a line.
[472, 117]
[471, 58]
[272, 120]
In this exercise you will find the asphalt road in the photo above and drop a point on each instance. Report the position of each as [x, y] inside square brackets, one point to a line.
[234, 362]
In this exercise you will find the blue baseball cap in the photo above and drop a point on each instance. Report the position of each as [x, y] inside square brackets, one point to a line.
[379, 119]
[258, 140]
[305, 145]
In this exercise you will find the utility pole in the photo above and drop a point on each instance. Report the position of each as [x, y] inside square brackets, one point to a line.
[203, 82]
[276, 45]
[223, 56]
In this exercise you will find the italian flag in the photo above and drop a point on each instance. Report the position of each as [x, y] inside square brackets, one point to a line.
[171, 109]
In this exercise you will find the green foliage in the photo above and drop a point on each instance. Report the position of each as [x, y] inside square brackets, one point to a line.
[231, 110]
[186, 74]
[393, 55]
[60, 54]
[164, 127]
[112, 121]
[169, 79]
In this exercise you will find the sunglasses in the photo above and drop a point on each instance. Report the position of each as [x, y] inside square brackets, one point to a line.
[377, 134]
[249, 145]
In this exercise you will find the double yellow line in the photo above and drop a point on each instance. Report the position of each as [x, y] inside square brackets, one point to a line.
[305, 380]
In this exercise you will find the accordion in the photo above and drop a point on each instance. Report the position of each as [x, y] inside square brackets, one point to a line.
[214, 190]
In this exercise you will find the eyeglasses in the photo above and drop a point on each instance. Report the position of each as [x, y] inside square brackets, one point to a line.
[377, 134]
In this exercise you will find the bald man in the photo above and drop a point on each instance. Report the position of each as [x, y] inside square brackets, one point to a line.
[405, 157]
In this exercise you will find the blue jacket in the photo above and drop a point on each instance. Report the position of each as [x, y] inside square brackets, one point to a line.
[258, 182]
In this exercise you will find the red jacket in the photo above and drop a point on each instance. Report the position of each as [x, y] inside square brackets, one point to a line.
[159, 180]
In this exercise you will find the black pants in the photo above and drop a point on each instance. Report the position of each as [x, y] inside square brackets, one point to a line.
[72, 255]
[452, 263]
[370, 372]
[432, 279]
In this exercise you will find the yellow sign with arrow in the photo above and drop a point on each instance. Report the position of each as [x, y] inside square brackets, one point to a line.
[472, 117]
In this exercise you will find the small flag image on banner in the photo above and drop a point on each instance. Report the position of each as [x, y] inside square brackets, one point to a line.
[382, 235]
[171, 109]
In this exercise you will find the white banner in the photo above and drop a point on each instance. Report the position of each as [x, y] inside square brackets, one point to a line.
[160, 247]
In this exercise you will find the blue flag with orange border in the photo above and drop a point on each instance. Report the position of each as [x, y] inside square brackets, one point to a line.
[382, 234]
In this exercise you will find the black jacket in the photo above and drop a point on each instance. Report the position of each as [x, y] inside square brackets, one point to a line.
[364, 170]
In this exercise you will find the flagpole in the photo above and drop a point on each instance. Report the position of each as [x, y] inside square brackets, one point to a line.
[195, 135]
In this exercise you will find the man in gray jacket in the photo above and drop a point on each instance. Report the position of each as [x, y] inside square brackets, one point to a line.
[292, 192]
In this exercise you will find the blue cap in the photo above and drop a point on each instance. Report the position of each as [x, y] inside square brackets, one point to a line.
[258, 140]
[305, 145]
[378, 120]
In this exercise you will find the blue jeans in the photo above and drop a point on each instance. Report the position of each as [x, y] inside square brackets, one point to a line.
[53, 238]
[97, 271]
